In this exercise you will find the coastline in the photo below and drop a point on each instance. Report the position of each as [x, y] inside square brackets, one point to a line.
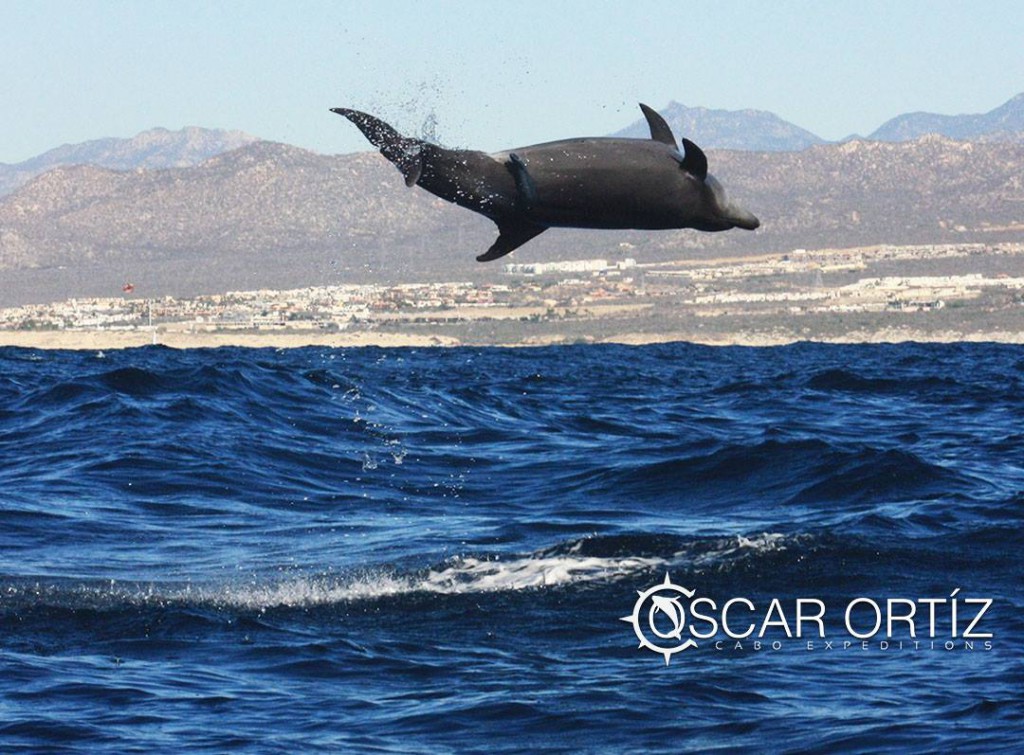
[105, 340]
[884, 294]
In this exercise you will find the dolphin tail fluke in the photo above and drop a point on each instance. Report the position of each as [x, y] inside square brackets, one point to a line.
[512, 234]
[405, 153]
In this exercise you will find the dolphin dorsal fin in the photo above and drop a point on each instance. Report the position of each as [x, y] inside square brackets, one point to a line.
[695, 162]
[660, 131]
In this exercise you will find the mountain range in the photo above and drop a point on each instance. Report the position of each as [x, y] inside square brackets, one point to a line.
[753, 130]
[1005, 120]
[758, 130]
[268, 215]
[156, 148]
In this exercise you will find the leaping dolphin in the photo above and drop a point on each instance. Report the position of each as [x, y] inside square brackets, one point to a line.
[593, 182]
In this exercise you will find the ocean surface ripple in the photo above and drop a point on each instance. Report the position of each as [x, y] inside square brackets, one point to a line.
[430, 550]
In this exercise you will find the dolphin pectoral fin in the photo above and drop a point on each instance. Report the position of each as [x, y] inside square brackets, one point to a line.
[695, 162]
[660, 131]
[411, 165]
[525, 186]
[511, 235]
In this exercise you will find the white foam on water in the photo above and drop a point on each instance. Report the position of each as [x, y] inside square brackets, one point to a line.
[469, 575]
[458, 576]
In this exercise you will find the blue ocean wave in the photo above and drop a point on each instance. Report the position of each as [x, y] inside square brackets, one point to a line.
[422, 549]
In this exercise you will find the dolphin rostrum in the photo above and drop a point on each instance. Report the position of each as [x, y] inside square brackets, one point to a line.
[594, 182]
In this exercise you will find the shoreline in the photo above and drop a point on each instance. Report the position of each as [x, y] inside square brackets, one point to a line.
[102, 340]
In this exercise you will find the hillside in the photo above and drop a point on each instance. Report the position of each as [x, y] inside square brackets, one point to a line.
[1005, 120]
[761, 131]
[754, 130]
[156, 148]
[270, 215]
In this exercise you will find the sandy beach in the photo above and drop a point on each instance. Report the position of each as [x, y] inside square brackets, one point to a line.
[103, 340]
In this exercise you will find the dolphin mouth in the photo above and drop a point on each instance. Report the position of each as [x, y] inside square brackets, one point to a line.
[745, 220]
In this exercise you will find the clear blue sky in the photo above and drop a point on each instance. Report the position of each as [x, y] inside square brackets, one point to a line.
[495, 74]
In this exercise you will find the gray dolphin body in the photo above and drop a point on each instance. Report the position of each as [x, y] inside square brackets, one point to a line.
[575, 183]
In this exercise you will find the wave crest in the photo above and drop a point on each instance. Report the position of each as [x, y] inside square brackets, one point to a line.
[581, 561]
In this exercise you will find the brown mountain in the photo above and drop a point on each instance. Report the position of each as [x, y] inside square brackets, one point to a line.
[270, 215]
[156, 148]
[755, 130]
[1005, 121]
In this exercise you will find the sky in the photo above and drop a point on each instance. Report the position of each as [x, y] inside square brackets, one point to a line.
[493, 75]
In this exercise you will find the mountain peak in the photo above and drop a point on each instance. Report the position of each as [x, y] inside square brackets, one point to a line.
[754, 130]
[153, 148]
[1006, 119]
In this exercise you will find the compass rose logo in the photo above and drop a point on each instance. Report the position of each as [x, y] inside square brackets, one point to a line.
[659, 612]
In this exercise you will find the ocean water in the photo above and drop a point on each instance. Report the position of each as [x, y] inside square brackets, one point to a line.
[433, 550]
